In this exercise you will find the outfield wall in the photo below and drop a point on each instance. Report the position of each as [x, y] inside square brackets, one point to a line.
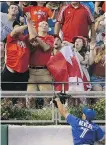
[40, 135]
[37, 135]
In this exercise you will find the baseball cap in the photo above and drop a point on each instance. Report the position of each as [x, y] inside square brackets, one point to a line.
[81, 37]
[89, 113]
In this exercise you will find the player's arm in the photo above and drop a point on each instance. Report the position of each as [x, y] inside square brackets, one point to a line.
[100, 135]
[17, 30]
[63, 111]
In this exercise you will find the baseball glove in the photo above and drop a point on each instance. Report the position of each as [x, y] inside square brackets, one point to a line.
[62, 97]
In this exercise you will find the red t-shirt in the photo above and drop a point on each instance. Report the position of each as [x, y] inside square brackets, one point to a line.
[74, 21]
[39, 57]
[38, 13]
[104, 6]
[17, 53]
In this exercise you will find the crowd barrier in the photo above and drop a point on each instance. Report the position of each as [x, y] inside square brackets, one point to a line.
[54, 115]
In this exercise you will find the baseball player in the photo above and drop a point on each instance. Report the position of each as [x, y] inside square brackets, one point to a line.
[84, 131]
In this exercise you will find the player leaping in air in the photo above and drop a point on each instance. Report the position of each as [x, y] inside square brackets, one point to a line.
[84, 131]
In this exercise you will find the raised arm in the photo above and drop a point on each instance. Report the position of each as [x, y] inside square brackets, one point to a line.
[93, 32]
[31, 29]
[37, 42]
[57, 28]
[63, 111]
[43, 44]
[17, 30]
[33, 34]
[92, 53]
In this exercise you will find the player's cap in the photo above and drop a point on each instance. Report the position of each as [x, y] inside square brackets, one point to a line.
[89, 113]
[81, 37]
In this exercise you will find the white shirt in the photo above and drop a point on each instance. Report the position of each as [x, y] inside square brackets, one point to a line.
[6, 26]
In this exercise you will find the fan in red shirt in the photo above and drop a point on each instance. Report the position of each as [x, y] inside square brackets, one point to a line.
[38, 72]
[17, 53]
[38, 13]
[74, 20]
[17, 57]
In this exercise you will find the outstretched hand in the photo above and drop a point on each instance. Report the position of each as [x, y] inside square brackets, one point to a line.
[27, 16]
[60, 97]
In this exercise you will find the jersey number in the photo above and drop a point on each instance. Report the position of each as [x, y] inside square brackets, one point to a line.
[85, 130]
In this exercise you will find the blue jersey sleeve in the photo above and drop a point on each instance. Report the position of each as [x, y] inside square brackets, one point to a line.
[72, 120]
[99, 134]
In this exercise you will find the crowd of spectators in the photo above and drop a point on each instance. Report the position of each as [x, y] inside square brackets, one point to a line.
[33, 32]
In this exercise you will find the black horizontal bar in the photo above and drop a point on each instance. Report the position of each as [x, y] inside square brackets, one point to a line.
[52, 82]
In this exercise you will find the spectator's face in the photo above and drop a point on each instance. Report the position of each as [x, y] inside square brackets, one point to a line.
[43, 26]
[2, 46]
[78, 44]
[57, 43]
[13, 10]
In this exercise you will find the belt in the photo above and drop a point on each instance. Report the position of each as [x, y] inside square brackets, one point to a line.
[38, 67]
